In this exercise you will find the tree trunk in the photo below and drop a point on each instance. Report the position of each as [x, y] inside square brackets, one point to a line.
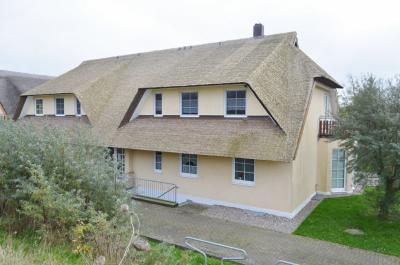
[388, 199]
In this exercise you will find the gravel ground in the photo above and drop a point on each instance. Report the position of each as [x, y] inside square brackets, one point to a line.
[263, 220]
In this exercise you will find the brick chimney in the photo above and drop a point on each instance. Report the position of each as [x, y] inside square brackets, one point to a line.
[258, 30]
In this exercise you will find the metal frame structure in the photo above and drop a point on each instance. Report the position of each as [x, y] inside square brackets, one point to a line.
[243, 252]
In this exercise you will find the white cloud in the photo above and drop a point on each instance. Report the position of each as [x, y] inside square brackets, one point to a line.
[53, 36]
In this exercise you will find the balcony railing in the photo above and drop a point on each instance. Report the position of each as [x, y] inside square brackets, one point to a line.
[155, 191]
[326, 127]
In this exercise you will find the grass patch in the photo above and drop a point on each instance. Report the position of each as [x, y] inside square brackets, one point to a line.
[26, 249]
[333, 215]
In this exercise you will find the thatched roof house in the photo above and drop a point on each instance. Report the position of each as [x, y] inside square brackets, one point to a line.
[13, 84]
[276, 70]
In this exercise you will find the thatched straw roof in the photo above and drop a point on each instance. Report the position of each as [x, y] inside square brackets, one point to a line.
[13, 84]
[278, 72]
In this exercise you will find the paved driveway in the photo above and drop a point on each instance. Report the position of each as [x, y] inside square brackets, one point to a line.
[263, 246]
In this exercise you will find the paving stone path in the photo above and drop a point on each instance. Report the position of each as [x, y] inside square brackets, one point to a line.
[263, 246]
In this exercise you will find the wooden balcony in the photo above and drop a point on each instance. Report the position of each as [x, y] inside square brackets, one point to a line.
[326, 127]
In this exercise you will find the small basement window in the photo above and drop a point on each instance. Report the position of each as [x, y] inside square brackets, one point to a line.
[39, 107]
[158, 104]
[189, 102]
[189, 165]
[244, 171]
[60, 107]
[235, 103]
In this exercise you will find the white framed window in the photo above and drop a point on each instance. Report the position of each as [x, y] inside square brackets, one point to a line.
[39, 107]
[235, 103]
[119, 155]
[338, 170]
[158, 105]
[78, 108]
[188, 165]
[158, 162]
[60, 107]
[244, 171]
[189, 104]
[327, 106]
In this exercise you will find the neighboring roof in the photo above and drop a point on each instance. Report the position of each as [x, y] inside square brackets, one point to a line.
[280, 75]
[13, 84]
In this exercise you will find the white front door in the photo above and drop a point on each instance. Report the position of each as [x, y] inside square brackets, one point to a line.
[338, 170]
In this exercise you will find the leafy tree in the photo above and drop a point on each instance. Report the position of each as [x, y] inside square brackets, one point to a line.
[369, 129]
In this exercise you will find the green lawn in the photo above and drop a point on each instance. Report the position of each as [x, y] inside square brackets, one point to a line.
[332, 216]
[27, 249]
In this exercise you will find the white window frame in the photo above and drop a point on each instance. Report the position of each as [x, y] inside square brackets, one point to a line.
[36, 114]
[180, 105]
[76, 107]
[243, 182]
[226, 115]
[154, 105]
[188, 175]
[55, 107]
[344, 172]
[155, 160]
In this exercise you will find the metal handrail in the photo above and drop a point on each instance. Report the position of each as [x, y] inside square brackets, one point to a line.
[154, 189]
[242, 251]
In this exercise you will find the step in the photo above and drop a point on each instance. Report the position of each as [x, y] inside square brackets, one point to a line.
[155, 200]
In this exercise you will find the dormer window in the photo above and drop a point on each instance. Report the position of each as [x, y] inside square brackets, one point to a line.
[235, 103]
[39, 107]
[158, 105]
[78, 108]
[60, 107]
[189, 104]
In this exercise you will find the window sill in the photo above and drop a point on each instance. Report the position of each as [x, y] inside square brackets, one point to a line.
[244, 183]
[189, 116]
[60, 115]
[235, 116]
[187, 175]
[39, 115]
[157, 171]
[158, 115]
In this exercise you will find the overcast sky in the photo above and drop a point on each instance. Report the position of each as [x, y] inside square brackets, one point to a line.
[51, 36]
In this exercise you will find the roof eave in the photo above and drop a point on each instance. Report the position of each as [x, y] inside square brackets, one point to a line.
[327, 82]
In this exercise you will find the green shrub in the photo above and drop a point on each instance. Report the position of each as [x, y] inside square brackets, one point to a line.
[53, 178]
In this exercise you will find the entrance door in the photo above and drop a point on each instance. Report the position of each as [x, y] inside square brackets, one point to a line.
[338, 170]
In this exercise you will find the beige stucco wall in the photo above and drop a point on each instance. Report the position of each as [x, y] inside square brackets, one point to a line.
[324, 167]
[49, 104]
[312, 165]
[215, 179]
[211, 100]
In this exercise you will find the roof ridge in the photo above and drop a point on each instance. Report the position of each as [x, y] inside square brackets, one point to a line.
[188, 47]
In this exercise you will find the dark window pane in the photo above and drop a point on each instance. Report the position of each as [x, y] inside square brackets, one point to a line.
[241, 94]
[158, 99]
[241, 102]
[231, 94]
[249, 168]
[249, 176]
[240, 112]
[239, 175]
